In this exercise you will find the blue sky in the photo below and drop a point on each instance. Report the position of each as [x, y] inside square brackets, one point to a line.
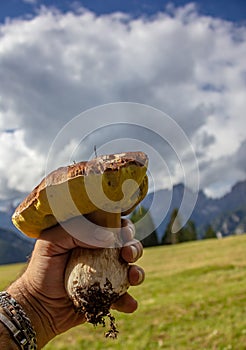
[230, 10]
[188, 61]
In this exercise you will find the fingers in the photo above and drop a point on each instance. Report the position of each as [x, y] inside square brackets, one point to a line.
[95, 236]
[89, 234]
[136, 275]
[126, 303]
[133, 249]
[80, 232]
[127, 230]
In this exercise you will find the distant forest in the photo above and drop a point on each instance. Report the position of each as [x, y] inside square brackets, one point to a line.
[174, 232]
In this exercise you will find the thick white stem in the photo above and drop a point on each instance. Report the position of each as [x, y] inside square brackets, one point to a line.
[95, 278]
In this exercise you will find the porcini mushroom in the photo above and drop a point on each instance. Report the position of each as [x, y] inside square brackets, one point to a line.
[102, 190]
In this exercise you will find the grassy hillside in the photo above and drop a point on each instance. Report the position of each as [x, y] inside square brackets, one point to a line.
[194, 297]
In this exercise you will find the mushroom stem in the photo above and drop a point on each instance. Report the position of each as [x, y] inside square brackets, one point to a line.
[96, 278]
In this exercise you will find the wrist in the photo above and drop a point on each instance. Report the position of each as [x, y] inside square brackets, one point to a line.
[7, 343]
[40, 321]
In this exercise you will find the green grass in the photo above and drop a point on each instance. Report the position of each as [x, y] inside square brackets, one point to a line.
[9, 273]
[194, 297]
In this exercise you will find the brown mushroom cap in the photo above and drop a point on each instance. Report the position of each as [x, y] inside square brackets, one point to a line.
[83, 188]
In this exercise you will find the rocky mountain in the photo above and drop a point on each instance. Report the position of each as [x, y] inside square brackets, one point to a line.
[226, 214]
[14, 248]
[232, 216]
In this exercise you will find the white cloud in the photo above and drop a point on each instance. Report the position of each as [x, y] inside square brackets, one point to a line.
[20, 165]
[30, 1]
[56, 65]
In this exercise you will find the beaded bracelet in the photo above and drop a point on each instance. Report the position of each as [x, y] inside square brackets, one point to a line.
[17, 322]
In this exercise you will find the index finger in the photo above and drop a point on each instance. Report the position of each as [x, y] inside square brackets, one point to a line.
[127, 230]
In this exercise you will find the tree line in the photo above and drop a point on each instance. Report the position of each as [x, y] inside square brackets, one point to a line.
[174, 233]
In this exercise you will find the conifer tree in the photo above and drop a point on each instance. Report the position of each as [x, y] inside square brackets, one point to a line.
[143, 226]
[173, 230]
[210, 232]
[188, 233]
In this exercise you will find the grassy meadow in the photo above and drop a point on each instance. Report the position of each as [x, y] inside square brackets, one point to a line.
[194, 297]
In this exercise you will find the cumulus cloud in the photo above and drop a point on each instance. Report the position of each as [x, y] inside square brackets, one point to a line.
[55, 65]
[20, 165]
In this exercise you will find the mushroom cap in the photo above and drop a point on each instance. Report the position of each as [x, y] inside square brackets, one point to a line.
[113, 183]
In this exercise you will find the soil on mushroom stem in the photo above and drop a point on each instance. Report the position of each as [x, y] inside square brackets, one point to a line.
[95, 303]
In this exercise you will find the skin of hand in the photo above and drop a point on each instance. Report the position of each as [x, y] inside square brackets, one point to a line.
[41, 292]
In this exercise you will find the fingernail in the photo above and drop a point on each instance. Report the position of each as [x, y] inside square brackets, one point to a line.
[132, 229]
[102, 235]
[134, 252]
[140, 276]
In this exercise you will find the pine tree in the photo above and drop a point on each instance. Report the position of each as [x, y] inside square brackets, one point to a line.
[210, 232]
[188, 232]
[143, 226]
[174, 229]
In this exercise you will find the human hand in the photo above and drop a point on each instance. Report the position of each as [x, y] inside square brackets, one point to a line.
[42, 284]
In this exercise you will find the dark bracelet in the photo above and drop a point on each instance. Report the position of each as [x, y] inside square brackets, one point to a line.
[17, 322]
